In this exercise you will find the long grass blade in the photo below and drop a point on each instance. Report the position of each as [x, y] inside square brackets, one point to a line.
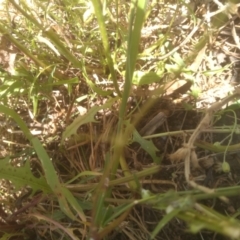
[101, 22]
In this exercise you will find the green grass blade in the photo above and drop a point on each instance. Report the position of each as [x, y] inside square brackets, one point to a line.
[165, 220]
[87, 118]
[50, 173]
[62, 49]
[51, 35]
[11, 113]
[22, 176]
[7, 35]
[61, 192]
[101, 22]
[135, 25]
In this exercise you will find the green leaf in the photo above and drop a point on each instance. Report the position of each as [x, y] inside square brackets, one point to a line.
[173, 209]
[50, 173]
[94, 88]
[87, 118]
[63, 194]
[147, 145]
[145, 193]
[85, 173]
[196, 226]
[73, 203]
[141, 78]
[165, 220]
[10, 87]
[215, 71]
[103, 31]
[136, 21]
[11, 113]
[22, 176]
[177, 59]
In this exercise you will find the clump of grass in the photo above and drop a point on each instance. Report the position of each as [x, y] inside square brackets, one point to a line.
[74, 68]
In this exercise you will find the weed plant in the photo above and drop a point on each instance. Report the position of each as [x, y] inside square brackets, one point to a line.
[74, 75]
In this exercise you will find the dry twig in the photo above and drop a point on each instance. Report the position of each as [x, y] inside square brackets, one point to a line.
[187, 152]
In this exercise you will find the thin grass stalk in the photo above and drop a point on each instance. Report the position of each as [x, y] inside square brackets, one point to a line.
[115, 182]
[120, 138]
[102, 27]
[198, 221]
[7, 35]
[64, 195]
[137, 17]
[114, 224]
[51, 35]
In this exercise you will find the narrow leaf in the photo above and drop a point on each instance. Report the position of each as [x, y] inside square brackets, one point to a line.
[87, 118]
[22, 176]
[103, 30]
[166, 219]
[61, 192]
[147, 145]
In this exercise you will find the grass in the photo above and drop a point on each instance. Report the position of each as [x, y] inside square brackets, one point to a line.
[79, 80]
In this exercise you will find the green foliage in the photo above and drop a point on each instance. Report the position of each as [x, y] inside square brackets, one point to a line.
[148, 146]
[22, 176]
[64, 196]
[142, 78]
[99, 14]
[101, 48]
[87, 118]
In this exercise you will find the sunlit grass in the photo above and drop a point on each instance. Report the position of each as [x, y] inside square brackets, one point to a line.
[77, 65]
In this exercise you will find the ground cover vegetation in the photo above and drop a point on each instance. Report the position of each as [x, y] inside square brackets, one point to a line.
[119, 119]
